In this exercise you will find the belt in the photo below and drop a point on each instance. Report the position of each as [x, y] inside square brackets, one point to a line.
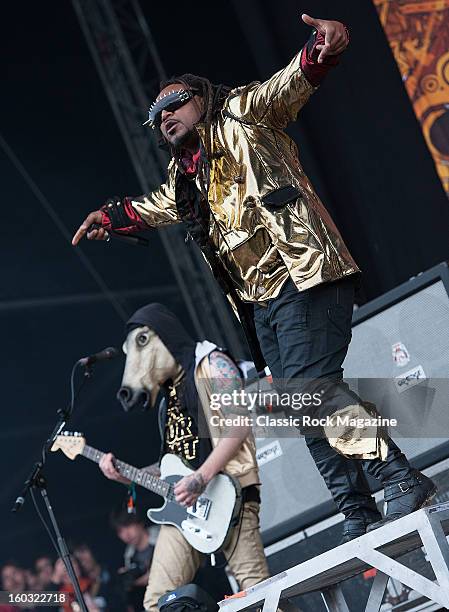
[251, 494]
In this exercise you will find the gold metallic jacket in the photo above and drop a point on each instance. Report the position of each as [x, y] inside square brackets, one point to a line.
[267, 222]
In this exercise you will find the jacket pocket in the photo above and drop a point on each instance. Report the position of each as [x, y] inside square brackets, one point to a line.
[281, 196]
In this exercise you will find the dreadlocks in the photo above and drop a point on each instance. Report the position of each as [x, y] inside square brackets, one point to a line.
[213, 97]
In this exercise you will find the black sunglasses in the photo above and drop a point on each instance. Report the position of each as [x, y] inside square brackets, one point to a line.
[170, 102]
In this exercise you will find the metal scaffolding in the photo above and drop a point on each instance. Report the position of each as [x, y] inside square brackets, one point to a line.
[126, 57]
[426, 528]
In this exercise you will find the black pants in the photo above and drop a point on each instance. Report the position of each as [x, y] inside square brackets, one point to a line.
[304, 337]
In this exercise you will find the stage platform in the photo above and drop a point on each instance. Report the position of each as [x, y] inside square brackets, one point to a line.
[379, 549]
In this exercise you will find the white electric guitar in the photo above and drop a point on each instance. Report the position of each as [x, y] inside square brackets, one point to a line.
[206, 525]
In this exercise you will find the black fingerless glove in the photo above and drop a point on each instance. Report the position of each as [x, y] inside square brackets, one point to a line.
[116, 211]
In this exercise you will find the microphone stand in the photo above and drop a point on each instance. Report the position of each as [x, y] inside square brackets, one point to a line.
[37, 480]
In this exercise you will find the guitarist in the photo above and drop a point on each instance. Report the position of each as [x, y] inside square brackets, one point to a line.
[188, 371]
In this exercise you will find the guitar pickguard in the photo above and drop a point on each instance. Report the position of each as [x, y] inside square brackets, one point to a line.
[171, 512]
[201, 508]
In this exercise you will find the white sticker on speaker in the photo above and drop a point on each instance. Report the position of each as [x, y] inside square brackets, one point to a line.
[410, 379]
[401, 356]
[267, 453]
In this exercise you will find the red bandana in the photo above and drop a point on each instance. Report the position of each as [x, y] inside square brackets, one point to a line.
[189, 161]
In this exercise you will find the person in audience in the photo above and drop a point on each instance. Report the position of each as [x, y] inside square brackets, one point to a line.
[13, 579]
[130, 528]
[62, 579]
[44, 568]
[106, 592]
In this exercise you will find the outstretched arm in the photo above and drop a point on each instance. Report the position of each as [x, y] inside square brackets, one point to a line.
[131, 215]
[277, 101]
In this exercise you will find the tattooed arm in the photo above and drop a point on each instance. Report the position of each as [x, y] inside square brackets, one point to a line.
[226, 378]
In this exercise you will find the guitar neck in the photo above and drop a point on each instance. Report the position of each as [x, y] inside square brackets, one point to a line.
[140, 477]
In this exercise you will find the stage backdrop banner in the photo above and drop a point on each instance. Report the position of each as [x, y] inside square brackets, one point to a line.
[418, 32]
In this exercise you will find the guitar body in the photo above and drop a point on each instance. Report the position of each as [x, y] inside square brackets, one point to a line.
[206, 526]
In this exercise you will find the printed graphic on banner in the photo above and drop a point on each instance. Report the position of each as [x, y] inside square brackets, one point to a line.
[400, 354]
[267, 453]
[418, 32]
[410, 379]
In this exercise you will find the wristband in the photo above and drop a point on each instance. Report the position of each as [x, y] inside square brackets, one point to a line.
[116, 211]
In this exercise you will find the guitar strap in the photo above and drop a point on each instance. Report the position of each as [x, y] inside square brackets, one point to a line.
[162, 417]
[171, 397]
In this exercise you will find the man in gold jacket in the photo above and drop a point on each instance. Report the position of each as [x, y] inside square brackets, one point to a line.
[236, 182]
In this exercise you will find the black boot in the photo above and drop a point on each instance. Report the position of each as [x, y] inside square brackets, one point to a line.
[405, 489]
[348, 486]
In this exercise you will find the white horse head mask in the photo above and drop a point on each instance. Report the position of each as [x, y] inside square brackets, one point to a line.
[149, 364]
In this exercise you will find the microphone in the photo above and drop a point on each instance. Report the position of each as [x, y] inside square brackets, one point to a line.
[134, 240]
[107, 353]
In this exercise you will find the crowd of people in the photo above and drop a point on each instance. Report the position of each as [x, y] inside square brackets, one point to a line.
[104, 590]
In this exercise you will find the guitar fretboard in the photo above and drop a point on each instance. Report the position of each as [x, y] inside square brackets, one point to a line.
[140, 477]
